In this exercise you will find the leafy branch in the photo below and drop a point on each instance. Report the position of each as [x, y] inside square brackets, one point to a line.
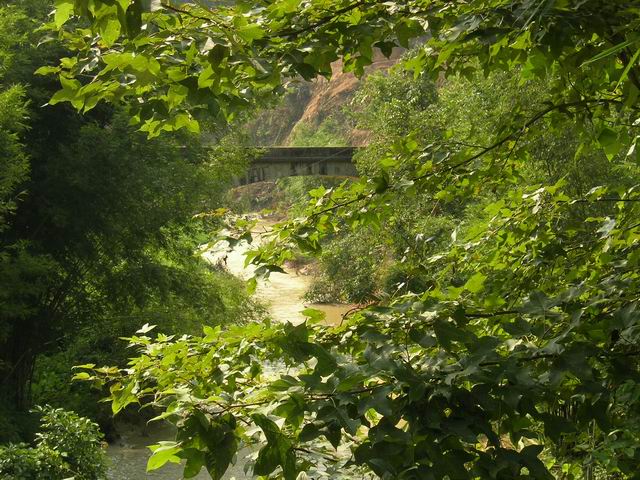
[484, 151]
[546, 356]
[514, 134]
[325, 20]
[186, 12]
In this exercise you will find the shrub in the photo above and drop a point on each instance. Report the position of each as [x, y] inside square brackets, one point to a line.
[66, 446]
[329, 133]
[295, 190]
[349, 265]
[282, 195]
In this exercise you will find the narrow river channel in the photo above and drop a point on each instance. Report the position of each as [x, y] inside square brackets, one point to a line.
[282, 294]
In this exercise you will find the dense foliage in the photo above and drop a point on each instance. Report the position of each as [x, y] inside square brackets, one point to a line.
[96, 231]
[519, 359]
[67, 446]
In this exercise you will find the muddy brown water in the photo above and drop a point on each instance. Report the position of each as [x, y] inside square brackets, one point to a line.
[282, 294]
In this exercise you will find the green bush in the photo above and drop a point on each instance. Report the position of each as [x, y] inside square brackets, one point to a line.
[349, 266]
[281, 196]
[297, 188]
[294, 191]
[329, 133]
[20, 461]
[196, 295]
[67, 446]
[358, 266]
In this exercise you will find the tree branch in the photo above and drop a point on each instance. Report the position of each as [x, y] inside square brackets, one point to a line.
[538, 116]
[491, 315]
[186, 12]
[322, 21]
[544, 356]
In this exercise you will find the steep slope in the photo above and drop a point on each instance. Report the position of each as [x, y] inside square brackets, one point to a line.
[328, 97]
[312, 113]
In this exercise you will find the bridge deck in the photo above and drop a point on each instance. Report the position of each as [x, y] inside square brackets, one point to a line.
[278, 162]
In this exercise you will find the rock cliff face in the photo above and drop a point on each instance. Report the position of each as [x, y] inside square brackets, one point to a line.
[328, 97]
[312, 103]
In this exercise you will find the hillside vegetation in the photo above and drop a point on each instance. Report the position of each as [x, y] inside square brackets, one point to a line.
[315, 113]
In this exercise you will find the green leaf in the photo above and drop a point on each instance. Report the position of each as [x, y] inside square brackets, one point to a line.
[268, 426]
[219, 457]
[64, 10]
[121, 397]
[47, 70]
[611, 51]
[146, 328]
[538, 304]
[630, 64]
[447, 332]
[476, 283]
[110, 30]
[163, 452]
[86, 365]
[556, 426]
[183, 120]
[314, 315]
[176, 95]
[309, 432]
[134, 18]
[283, 7]
[278, 450]
[608, 140]
[607, 227]
[267, 461]
[252, 284]
[205, 79]
[251, 32]
[195, 461]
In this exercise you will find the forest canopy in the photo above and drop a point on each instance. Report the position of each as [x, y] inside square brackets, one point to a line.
[516, 356]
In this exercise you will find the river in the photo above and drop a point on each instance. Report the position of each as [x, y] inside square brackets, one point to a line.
[282, 294]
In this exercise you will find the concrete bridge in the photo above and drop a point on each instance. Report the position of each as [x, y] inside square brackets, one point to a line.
[278, 162]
